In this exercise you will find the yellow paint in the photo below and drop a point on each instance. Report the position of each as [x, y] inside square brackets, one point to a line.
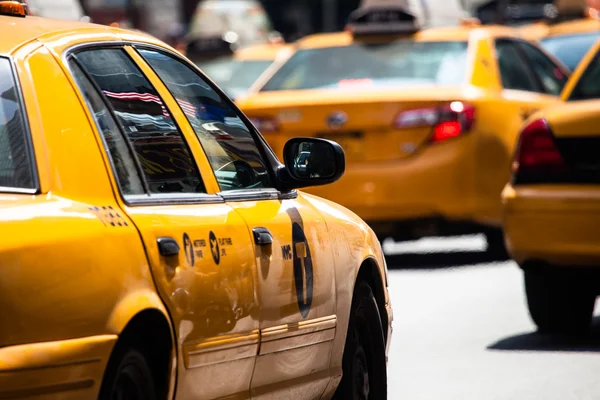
[395, 174]
[79, 263]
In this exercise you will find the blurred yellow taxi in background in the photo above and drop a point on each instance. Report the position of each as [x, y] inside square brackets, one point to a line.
[154, 248]
[552, 204]
[428, 118]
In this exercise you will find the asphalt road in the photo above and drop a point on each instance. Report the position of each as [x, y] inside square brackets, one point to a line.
[463, 332]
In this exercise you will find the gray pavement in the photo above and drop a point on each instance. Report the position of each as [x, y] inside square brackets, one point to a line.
[464, 333]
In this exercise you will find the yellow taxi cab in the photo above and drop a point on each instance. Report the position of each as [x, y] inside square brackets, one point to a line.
[427, 118]
[552, 205]
[153, 246]
[568, 32]
[248, 64]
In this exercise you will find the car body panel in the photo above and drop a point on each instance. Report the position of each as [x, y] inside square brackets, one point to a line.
[396, 174]
[557, 223]
[67, 296]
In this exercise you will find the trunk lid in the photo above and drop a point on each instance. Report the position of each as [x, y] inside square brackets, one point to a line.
[361, 121]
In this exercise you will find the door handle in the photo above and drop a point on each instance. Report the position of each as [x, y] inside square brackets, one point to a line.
[262, 236]
[167, 246]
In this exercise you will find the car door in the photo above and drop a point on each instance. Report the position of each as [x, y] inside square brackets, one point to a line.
[296, 286]
[199, 249]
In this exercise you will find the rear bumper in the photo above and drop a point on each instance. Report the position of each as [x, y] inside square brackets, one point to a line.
[436, 181]
[69, 369]
[557, 224]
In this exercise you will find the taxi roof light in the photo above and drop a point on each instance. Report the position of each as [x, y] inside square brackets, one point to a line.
[382, 20]
[537, 152]
[12, 8]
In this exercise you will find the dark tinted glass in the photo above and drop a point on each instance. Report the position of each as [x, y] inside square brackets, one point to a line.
[122, 159]
[227, 141]
[550, 75]
[15, 164]
[166, 160]
[570, 49]
[514, 71]
[588, 86]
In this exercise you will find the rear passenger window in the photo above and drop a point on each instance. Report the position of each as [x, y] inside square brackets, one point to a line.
[514, 71]
[132, 116]
[15, 162]
[551, 76]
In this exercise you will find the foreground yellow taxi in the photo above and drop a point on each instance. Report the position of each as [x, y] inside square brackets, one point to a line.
[552, 205]
[427, 118]
[153, 247]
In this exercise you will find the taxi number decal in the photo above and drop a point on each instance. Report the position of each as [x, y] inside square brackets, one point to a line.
[303, 268]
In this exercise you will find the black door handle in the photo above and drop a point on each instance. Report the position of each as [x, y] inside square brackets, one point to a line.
[262, 236]
[167, 246]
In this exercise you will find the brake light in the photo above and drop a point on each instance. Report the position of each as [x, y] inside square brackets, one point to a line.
[265, 124]
[448, 120]
[537, 152]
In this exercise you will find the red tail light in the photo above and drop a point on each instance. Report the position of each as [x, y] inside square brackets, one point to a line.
[265, 124]
[537, 153]
[448, 121]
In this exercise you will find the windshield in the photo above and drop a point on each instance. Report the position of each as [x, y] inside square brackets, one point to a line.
[245, 73]
[397, 63]
[570, 49]
[588, 86]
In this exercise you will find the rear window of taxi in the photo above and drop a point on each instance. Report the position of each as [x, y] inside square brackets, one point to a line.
[400, 63]
[570, 49]
[16, 170]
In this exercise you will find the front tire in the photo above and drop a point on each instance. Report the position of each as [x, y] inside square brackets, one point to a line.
[129, 377]
[364, 362]
[559, 301]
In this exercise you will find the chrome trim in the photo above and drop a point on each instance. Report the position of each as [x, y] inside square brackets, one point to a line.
[5, 189]
[171, 199]
[296, 335]
[250, 194]
[221, 349]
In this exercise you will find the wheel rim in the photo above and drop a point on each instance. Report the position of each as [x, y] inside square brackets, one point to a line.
[361, 375]
[127, 386]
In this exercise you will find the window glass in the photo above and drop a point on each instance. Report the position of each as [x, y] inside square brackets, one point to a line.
[122, 159]
[15, 164]
[588, 86]
[166, 161]
[514, 71]
[570, 49]
[399, 63]
[551, 76]
[227, 141]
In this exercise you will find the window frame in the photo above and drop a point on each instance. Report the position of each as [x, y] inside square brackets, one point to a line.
[514, 42]
[584, 75]
[36, 189]
[272, 164]
[147, 199]
[566, 73]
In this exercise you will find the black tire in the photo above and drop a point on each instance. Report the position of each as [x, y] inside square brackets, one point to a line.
[128, 376]
[364, 364]
[560, 302]
[496, 245]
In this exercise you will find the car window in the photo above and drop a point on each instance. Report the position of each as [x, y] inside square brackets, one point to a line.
[164, 157]
[400, 63]
[588, 86]
[15, 164]
[122, 159]
[553, 79]
[570, 49]
[514, 71]
[229, 144]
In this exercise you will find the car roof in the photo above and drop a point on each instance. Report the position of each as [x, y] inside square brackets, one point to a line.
[540, 30]
[262, 51]
[17, 31]
[449, 33]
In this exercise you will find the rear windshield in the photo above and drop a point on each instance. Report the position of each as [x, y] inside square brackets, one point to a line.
[570, 49]
[399, 63]
[15, 163]
[588, 86]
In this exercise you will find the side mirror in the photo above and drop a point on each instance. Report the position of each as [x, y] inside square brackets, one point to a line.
[313, 162]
